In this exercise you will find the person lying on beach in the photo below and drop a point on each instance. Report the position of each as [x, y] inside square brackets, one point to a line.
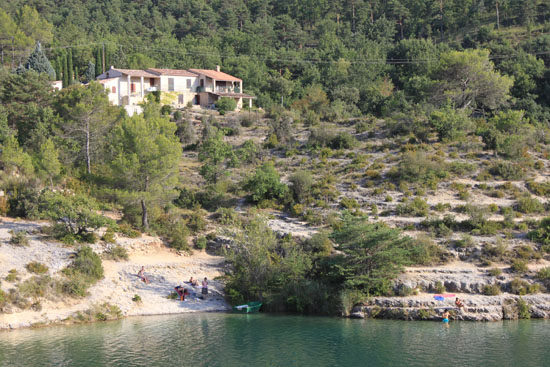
[194, 282]
[142, 276]
[459, 303]
[182, 292]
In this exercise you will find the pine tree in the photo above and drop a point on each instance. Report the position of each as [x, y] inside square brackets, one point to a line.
[48, 161]
[90, 72]
[65, 72]
[38, 62]
[98, 62]
[70, 68]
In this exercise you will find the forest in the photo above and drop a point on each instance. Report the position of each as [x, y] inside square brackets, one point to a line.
[360, 105]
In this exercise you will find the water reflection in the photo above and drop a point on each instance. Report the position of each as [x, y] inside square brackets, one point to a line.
[237, 340]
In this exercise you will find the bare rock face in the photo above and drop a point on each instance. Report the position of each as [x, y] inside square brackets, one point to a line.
[477, 308]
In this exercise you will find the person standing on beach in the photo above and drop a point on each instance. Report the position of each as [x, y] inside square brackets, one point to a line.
[204, 288]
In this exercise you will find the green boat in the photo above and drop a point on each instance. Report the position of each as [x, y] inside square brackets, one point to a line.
[250, 307]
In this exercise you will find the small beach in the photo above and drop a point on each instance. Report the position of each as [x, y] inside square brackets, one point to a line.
[164, 267]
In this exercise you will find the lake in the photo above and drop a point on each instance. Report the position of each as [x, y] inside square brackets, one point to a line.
[278, 340]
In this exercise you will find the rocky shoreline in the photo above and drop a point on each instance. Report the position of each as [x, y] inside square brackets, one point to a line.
[477, 307]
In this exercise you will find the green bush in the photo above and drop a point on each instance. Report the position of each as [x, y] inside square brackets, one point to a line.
[136, 298]
[424, 251]
[527, 205]
[523, 309]
[418, 166]
[12, 276]
[519, 287]
[225, 104]
[18, 238]
[116, 253]
[495, 272]
[265, 184]
[439, 287]
[519, 266]
[36, 268]
[507, 170]
[544, 274]
[127, 230]
[417, 208]
[301, 184]
[465, 242]
[539, 188]
[349, 203]
[491, 290]
[109, 236]
[38, 287]
[201, 242]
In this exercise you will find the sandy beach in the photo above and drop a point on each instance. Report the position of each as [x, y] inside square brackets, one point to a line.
[164, 268]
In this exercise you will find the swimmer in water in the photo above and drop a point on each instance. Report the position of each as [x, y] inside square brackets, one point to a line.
[446, 316]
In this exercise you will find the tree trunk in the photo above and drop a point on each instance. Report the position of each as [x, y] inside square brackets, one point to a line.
[144, 219]
[88, 166]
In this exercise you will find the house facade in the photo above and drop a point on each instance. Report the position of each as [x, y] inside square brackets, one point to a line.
[178, 88]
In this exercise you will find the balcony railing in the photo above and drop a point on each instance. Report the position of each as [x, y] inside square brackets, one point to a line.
[201, 89]
[221, 89]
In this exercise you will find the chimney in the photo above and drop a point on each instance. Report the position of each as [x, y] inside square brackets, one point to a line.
[218, 68]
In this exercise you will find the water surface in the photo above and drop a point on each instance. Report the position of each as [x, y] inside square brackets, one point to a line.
[268, 340]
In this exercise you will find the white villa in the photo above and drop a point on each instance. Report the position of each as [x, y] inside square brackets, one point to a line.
[179, 88]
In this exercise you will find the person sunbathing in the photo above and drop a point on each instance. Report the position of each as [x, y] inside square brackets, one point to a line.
[194, 282]
[459, 303]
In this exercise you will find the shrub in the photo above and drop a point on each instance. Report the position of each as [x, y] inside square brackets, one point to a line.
[265, 184]
[419, 167]
[117, 253]
[196, 221]
[417, 208]
[439, 287]
[301, 184]
[424, 251]
[491, 290]
[38, 287]
[136, 298]
[19, 238]
[36, 267]
[465, 242]
[201, 242]
[86, 264]
[519, 266]
[349, 203]
[127, 230]
[225, 104]
[109, 236]
[526, 204]
[523, 309]
[495, 272]
[507, 170]
[542, 233]
[539, 188]
[518, 286]
[12, 276]
[544, 274]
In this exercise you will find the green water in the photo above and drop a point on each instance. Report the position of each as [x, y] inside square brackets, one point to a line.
[265, 340]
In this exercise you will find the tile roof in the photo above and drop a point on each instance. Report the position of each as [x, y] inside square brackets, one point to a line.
[133, 72]
[218, 75]
[106, 80]
[171, 72]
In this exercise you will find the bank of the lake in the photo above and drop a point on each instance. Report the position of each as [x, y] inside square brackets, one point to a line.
[277, 340]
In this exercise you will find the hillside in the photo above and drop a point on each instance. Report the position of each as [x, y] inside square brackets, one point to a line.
[393, 149]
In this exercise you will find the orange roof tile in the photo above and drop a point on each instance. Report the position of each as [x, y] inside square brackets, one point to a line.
[218, 75]
[133, 72]
[171, 72]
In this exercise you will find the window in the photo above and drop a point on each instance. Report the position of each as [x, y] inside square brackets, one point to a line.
[171, 84]
[113, 89]
[151, 82]
[188, 83]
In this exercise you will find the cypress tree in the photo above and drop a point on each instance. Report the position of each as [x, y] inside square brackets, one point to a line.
[58, 67]
[70, 68]
[98, 65]
[90, 72]
[38, 62]
[65, 72]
